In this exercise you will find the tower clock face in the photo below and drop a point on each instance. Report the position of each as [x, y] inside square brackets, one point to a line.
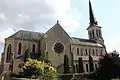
[58, 48]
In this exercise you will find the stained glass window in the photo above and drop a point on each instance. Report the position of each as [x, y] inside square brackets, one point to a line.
[58, 48]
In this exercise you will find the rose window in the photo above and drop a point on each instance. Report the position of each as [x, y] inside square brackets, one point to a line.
[58, 48]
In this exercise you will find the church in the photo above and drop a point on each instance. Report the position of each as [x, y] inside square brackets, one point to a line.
[55, 43]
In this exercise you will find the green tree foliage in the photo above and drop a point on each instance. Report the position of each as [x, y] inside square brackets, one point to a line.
[80, 65]
[109, 67]
[48, 75]
[66, 64]
[91, 64]
[45, 58]
[26, 55]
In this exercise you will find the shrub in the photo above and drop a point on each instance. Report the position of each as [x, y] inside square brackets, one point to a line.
[26, 55]
[45, 58]
[38, 69]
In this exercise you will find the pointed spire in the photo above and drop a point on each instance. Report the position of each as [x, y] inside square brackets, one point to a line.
[91, 15]
[57, 21]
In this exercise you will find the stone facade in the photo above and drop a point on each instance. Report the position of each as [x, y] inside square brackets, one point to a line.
[45, 44]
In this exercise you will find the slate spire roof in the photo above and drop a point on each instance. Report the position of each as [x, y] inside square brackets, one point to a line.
[91, 16]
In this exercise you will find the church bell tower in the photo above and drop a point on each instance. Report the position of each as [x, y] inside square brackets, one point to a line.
[94, 30]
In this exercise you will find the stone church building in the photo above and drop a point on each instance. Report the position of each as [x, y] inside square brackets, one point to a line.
[55, 43]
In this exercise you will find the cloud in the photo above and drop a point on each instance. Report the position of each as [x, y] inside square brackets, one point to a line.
[66, 13]
[37, 15]
[2, 16]
[113, 44]
[25, 14]
[4, 34]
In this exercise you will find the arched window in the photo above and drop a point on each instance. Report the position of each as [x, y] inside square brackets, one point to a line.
[8, 58]
[93, 52]
[19, 48]
[81, 52]
[90, 36]
[86, 52]
[97, 33]
[33, 48]
[77, 51]
[96, 52]
[101, 52]
[93, 33]
[87, 68]
[89, 51]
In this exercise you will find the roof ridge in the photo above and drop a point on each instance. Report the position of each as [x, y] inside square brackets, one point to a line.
[29, 31]
[26, 34]
[79, 38]
[84, 40]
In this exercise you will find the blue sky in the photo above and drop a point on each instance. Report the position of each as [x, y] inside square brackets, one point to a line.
[73, 15]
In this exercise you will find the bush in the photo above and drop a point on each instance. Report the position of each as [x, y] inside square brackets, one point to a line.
[26, 55]
[38, 69]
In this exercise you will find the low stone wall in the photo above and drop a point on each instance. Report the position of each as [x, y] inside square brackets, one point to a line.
[13, 78]
[75, 76]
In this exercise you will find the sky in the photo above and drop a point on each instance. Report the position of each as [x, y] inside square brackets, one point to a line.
[73, 15]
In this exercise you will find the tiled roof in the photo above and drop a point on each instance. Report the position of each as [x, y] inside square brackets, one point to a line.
[84, 42]
[28, 35]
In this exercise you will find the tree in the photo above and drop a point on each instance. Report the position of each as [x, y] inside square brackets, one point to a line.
[66, 64]
[45, 58]
[80, 65]
[108, 67]
[91, 64]
[26, 55]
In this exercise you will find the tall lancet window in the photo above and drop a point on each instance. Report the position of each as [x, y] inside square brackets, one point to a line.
[89, 34]
[86, 52]
[8, 58]
[97, 33]
[87, 69]
[90, 52]
[93, 52]
[81, 52]
[19, 48]
[93, 33]
[77, 51]
[33, 48]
